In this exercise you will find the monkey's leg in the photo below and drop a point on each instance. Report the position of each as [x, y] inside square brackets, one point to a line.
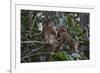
[60, 45]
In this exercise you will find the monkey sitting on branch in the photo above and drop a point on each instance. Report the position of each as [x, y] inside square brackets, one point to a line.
[49, 34]
[64, 37]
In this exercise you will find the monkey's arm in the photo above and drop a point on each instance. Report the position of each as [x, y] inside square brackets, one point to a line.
[71, 42]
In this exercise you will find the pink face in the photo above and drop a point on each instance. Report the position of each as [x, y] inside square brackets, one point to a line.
[49, 24]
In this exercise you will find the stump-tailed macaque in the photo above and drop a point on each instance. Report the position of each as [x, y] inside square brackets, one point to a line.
[65, 37]
[49, 34]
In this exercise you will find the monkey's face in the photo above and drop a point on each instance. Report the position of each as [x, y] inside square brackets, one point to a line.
[61, 29]
[50, 25]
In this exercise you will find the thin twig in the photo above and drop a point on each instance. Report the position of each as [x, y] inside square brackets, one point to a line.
[34, 42]
[24, 61]
[37, 34]
[33, 23]
[33, 51]
[39, 54]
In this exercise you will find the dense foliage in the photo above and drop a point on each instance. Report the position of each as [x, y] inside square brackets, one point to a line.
[33, 47]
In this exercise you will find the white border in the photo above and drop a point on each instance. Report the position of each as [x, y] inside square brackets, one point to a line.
[16, 66]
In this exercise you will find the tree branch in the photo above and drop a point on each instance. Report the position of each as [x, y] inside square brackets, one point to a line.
[32, 51]
[24, 61]
[37, 34]
[37, 54]
[33, 23]
[34, 42]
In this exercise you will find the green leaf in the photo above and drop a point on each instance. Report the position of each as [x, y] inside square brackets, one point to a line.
[62, 56]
